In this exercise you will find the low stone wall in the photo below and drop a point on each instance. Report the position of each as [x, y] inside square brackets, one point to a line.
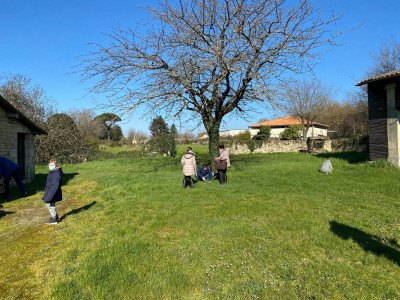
[272, 146]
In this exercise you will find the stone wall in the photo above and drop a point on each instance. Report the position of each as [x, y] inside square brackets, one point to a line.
[9, 129]
[279, 146]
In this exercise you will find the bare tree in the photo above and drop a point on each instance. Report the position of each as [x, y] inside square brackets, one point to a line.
[187, 135]
[205, 59]
[85, 123]
[262, 120]
[359, 104]
[306, 100]
[30, 99]
[346, 119]
[137, 137]
[385, 59]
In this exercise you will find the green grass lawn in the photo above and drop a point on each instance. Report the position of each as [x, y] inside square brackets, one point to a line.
[277, 230]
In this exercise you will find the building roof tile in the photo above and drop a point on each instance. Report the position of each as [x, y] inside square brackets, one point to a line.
[8, 107]
[387, 75]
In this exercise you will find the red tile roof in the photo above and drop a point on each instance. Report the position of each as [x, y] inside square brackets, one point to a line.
[380, 77]
[285, 121]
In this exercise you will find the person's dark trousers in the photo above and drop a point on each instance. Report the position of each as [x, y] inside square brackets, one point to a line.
[187, 179]
[184, 184]
[222, 176]
[17, 177]
[190, 179]
[209, 177]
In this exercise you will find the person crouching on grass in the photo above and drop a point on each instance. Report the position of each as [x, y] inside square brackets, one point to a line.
[204, 173]
[53, 192]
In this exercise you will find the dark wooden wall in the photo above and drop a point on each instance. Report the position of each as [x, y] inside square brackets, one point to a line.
[377, 106]
[378, 142]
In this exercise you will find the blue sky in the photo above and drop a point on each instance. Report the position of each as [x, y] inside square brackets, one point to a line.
[41, 39]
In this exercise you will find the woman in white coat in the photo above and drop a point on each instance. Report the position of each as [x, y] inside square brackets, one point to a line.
[188, 162]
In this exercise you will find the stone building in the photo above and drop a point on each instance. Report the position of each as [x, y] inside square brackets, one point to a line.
[17, 138]
[384, 116]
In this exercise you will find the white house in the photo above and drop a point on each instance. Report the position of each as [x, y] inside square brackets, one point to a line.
[280, 124]
[234, 132]
[277, 126]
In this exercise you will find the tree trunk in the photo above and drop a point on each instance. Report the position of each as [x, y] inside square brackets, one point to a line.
[213, 141]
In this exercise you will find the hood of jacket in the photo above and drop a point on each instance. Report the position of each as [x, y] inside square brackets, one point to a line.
[188, 155]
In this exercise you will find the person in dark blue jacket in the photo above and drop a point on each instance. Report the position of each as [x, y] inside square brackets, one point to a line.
[10, 169]
[204, 173]
[52, 191]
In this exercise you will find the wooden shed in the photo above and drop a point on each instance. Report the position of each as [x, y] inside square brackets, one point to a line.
[384, 109]
[17, 138]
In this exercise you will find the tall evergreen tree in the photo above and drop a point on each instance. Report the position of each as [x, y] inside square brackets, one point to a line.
[161, 140]
[158, 126]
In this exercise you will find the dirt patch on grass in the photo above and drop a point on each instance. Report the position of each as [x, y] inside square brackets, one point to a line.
[33, 211]
[28, 246]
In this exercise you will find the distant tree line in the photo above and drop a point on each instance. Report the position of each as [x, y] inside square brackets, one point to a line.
[75, 137]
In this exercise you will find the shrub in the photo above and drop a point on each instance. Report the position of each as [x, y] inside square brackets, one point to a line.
[160, 145]
[93, 143]
[63, 142]
[111, 143]
[254, 144]
[227, 142]
[264, 134]
[243, 137]
[355, 143]
[293, 132]
[251, 144]
[162, 141]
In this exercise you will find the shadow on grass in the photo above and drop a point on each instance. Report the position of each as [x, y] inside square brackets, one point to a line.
[78, 210]
[351, 157]
[35, 186]
[40, 180]
[367, 242]
[4, 213]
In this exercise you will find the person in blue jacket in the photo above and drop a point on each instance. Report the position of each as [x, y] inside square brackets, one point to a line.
[52, 191]
[10, 169]
[204, 173]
